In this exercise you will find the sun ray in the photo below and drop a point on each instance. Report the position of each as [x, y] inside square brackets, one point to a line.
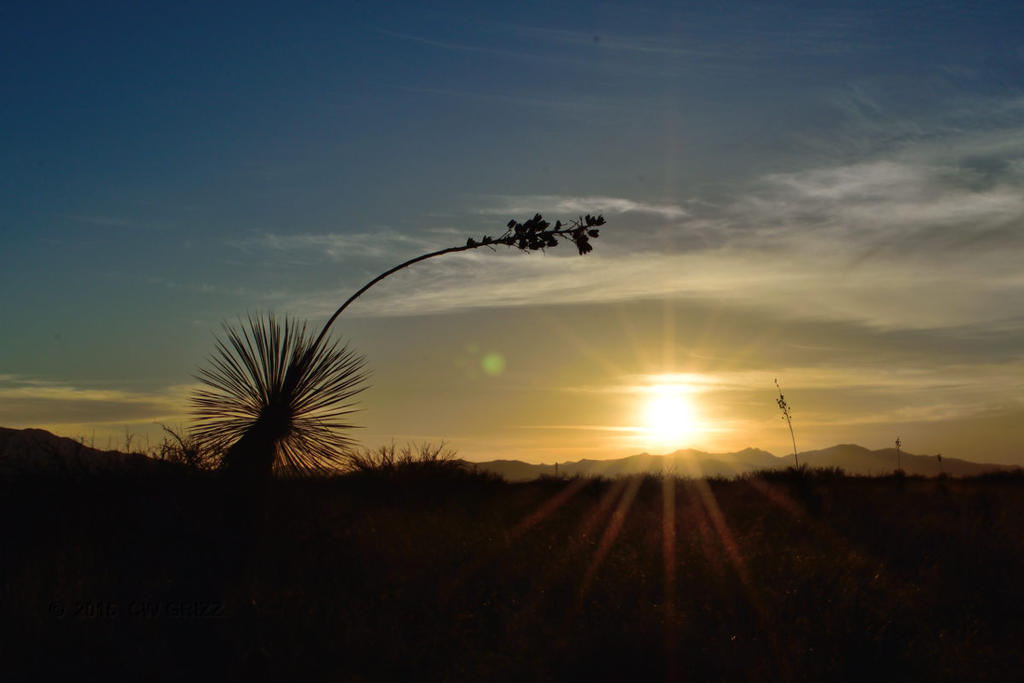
[601, 509]
[611, 532]
[668, 352]
[548, 507]
[668, 553]
[721, 528]
[712, 511]
[542, 512]
[626, 324]
[590, 351]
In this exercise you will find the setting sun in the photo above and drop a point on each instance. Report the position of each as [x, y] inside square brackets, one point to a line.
[669, 417]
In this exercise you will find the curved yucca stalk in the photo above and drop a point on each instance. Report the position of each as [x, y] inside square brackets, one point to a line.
[277, 399]
[535, 234]
[275, 395]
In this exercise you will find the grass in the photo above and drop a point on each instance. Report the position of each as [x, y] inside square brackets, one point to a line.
[409, 457]
[438, 573]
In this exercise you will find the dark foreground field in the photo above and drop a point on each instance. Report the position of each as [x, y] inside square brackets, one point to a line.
[451, 576]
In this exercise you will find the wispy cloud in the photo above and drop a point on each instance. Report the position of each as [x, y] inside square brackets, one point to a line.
[737, 39]
[791, 284]
[976, 379]
[510, 205]
[383, 242]
[389, 244]
[919, 206]
[681, 50]
[935, 391]
[486, 47]
[106, 221]
[582, 428]
[576, 106]
[925, 236]
[613, 41]
[30, 402]
[446, 44]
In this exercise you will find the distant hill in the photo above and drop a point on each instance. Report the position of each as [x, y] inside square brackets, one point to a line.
[851, 458]
[37, 451]
[688, 462]
[856, 459]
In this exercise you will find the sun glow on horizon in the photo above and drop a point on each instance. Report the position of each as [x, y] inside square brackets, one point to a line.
[670, 418]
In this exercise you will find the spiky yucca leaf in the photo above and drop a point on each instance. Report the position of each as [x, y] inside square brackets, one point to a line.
[277, 399]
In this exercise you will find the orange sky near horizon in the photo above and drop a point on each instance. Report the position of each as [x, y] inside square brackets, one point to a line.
[552, 385]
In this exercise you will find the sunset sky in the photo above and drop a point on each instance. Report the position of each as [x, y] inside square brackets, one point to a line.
[831, 194]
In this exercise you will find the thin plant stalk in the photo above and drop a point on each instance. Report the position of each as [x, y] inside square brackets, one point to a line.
[788, 417]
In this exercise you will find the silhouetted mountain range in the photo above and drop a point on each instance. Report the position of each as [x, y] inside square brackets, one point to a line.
[39, 451]
[851, 458]
[25, 451]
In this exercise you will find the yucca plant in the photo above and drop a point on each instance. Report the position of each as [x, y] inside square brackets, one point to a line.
[275, 398]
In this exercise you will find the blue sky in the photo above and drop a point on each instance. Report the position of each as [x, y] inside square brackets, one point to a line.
[830, 193]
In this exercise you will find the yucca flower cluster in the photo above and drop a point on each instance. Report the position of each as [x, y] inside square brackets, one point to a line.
[534, 234]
